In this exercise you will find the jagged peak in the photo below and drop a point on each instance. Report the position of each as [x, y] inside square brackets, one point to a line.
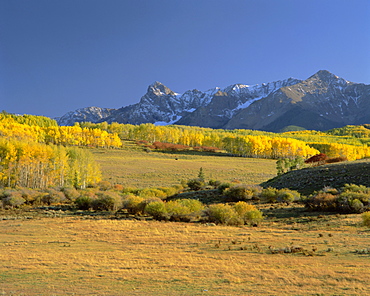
[328, 77]
[274, 85]
[235, 87]
[324, 75]
[156, 84]
[159, 89]
[92, 108]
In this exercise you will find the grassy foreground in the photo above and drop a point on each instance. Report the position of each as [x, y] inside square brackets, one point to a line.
[75, 256]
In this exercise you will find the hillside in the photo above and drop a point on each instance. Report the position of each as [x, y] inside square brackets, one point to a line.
[335, 175]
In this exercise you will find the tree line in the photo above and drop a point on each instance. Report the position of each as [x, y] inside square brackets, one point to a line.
[342, 142]
[38, 165]
[37, 153]
[38, 131]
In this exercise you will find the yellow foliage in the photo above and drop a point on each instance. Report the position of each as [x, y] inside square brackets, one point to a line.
[59, 135]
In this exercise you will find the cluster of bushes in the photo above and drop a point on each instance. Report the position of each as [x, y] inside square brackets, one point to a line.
[150, 201]
[257, 193]
[116, 198]
[199, 183]
[189, 209]
[104, 196]
[16, 197]
[349, 199]
[175, 210]
[238, 214]
[235, 193]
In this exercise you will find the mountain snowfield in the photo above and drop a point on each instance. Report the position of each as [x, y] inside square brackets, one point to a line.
[322, 101]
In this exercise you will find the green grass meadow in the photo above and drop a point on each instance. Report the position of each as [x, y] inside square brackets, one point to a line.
[133, 167]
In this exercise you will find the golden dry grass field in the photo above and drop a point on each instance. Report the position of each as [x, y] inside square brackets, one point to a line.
[135, 168]
[75, 256]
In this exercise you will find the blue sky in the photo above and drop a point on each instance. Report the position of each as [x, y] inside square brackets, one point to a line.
[60, 55]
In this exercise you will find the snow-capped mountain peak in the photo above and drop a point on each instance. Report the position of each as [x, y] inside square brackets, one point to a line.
[324, 100]
[159, 89]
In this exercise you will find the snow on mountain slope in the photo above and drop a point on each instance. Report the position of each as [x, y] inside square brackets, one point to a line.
[322, 101]
[160, 105]
[92, 114]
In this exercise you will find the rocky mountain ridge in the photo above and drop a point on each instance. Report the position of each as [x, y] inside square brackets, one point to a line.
[321, 102]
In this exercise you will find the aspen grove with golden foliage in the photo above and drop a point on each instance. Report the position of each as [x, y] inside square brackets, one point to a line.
[39, 154]
[59, 135]
[343, 142]
[36, 165]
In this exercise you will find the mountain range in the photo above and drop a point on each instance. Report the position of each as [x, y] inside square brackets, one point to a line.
[321, 102]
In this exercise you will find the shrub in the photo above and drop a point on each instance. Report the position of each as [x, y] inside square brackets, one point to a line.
[224, 214]
[352, 199]
[13, 199]
[242, 207]
[31, 196]
[178, 188]
[248, 213]
[330, 190]
[196, 184]
[128, 190]
[352, 202]
[195, 206]
[269, 194]
[71, 193]
[214, 183]
[223, 186]
[184, 209]
[118, 187]
[104, 185]
[287, 195]
[134, 204]
[177, 211]
[351, 195]
[353, 191]
[243, 192]
[355, 188]
[107, 201]
[53, 196]
[253, 217]
[84, 202]
[321, 201]
[366, 219]
[152, 192]
[356, 206]
[157, 209]
[168, 191]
